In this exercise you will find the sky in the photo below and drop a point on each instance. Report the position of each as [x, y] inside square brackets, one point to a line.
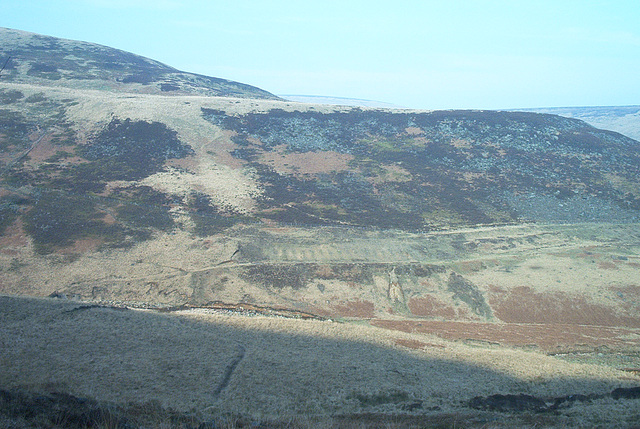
[444, 54]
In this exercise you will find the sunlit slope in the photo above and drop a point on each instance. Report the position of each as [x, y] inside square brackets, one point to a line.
[160, 200]
[35, 58]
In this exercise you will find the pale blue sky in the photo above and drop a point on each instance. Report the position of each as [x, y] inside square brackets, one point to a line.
[486, 54]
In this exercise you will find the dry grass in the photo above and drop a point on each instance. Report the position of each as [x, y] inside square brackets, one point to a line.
[269, 368]
[551, 263]
[293, 373]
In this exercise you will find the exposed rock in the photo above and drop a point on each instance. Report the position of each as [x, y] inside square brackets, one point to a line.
[395, 292]
[468, 293]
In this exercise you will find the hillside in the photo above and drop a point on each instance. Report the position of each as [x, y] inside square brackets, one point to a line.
[622, 119]
[513, 231]
[44, 60]
[198, 369]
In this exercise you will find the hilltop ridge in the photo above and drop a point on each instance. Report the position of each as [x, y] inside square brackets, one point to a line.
[46, 60]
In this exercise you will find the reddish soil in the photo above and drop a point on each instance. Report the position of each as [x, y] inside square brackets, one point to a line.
[46, 149]
[470, 266]
[360, 309]
[13, 239]
[607, 266]
[189, 163]
[524, 305]
[552, 337]
[630, 291]
[222, 149]
[82, 245]
[307, 162]
[430, 306]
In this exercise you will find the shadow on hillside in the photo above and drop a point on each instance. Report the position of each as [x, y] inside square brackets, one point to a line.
[257, 366]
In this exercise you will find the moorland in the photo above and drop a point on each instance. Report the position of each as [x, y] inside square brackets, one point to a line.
[185, 251]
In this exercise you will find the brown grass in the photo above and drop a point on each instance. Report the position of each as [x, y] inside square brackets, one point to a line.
[431, 306]
[14, 239]
[550, 337]
[265, 368]
[307, 162]
[524, 305]
[360, 309]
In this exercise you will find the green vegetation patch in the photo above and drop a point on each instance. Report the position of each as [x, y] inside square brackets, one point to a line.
[279, 276]
[143, 207]
[56, 219]
[464, 164]
[382, 398]
[10, 207]
[36, 409]
[331, 198]
[66, 206]
[8, 96]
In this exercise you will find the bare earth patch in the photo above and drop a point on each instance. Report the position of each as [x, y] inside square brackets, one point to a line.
[360, 309]
[524, 305]
[430, 306]
[14, 239]
[45, 149]
[307, 162]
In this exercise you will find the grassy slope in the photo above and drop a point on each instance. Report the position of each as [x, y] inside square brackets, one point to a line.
[34, 58]
[475, 275]
[222, 364]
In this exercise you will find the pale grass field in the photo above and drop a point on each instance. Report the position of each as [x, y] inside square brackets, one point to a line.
[266, 368]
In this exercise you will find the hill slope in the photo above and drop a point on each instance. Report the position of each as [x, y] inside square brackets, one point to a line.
[326, 210]
[512, 229]
[622, 119]
[45, 60]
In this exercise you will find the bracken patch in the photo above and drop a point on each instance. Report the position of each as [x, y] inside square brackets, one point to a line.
[524, 305]
[430, 306]
[552, 337]
[360, 309]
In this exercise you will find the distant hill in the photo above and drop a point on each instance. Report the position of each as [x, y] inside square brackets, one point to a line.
[34, 58]
[339, 101]
[623, 119]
